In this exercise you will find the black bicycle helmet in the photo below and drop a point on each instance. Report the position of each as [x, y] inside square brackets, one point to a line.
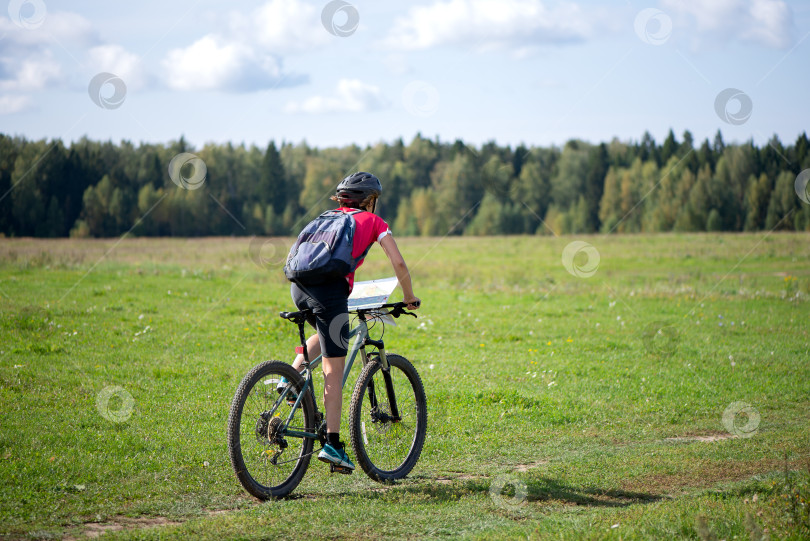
[358, 186]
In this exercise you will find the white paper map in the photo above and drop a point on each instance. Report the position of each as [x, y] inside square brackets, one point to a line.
[372, 293]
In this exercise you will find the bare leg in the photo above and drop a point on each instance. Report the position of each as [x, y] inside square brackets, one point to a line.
[313, 350]
[333, 384]
[333, 391]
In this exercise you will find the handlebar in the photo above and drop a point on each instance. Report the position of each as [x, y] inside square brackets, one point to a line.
[398, 309]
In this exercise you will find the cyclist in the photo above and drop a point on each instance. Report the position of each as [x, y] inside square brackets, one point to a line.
[328, 302]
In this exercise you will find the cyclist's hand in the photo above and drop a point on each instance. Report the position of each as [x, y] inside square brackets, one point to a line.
[413, 303]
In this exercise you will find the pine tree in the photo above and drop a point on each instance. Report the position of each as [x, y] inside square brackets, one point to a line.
[519, 158]
[272, 187]
[594, 187]
[718, 146]
[802, 156]
[686, 152]
[648, 150]
[705, 155]
[669, 148]
[9, 149]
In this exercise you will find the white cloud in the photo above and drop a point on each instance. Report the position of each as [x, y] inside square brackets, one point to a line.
[489, 24]
[281, 27]
[15, 104]
[767, 22]
[63, 27]
[30, 73]
[247, 56]
[772, 24]
[351, 96]
[117, 60]
[70, 28]
[27, 61]
[211, 63]
[29, 57]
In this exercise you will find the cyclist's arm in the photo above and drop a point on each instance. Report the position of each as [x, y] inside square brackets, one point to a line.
[391, 249]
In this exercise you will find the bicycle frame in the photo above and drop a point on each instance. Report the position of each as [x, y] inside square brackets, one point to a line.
[271, 446]
[361, 339]
[360, 334]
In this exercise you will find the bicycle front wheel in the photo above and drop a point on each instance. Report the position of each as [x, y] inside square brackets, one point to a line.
[267, 462]
[388, 443]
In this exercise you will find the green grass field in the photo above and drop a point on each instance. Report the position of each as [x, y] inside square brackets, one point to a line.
[665, 396]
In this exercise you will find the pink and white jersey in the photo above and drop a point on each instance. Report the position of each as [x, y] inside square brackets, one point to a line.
[368, 229]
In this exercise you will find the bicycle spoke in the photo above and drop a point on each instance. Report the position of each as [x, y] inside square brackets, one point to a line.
[268, 461]
[387, 448]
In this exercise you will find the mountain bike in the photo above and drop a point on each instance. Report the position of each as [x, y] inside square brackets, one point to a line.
[275, 423]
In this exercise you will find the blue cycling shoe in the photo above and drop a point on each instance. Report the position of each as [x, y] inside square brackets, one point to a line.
[336, 457]
[292, 396]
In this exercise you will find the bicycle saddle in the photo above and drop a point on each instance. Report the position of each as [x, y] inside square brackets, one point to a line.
[296, 317]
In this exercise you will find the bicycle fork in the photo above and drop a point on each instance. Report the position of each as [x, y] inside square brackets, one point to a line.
[389, 383]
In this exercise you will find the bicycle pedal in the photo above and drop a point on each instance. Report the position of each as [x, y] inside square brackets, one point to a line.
[340, 469]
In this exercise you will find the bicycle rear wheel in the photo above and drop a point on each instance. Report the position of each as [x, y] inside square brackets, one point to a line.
[387, 448]
[267, 463]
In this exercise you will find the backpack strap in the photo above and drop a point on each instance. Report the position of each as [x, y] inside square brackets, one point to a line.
[350, 213]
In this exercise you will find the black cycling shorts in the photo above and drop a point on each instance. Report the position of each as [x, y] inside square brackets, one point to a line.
[329, 304]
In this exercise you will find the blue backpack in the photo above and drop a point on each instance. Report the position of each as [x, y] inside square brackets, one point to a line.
[323, 251]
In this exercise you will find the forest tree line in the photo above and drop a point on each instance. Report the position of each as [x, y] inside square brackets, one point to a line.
[101, 189]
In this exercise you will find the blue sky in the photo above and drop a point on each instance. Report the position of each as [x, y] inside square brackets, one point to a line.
[533, 71]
